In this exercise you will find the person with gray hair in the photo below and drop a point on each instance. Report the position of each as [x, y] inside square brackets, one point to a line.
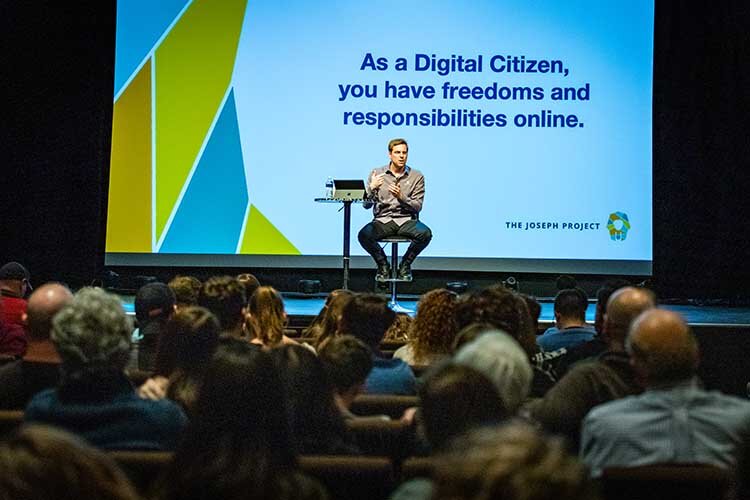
[675, 420]
[500, 358]
[94, 398]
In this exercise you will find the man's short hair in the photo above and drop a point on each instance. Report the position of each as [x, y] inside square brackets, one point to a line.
[346, 360]
[250, 282]
[92, 331]
[571, 303]
[225, 297]
[397, 142]
[367, 317]
[186, 290]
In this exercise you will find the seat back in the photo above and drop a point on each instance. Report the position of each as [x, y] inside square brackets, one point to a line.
[349, 477]
[383, 404]
[10, 420]
[414, 467]
[142, 467]
[667, 482]
[385, 438]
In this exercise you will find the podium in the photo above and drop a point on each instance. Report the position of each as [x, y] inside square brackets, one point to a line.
[347, 231]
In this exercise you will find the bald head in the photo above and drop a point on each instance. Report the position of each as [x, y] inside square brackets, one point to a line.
[623, 306]
[662, 347]
[43, 304]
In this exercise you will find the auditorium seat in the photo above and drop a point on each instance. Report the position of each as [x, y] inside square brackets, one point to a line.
[414, 467]
[351, 477]
[666, 482]
[10, 420]
[142, 467]
[383, 404]
[376, 437]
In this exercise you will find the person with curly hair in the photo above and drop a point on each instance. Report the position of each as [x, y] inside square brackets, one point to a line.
[266, 318]
[433, 330]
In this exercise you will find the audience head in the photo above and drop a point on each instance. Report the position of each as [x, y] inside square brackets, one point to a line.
[535, 310]
[512, 462]
[250, 282]
[469, 334]
[435, 326]
[188, 342]
[602, 297]
[43, 305]
[400, 329]
[326, 324]
[565, 281]
[15, 278]
[238, 442]
[502, 360]
[186, 290]
[455, 399]
[623, 306]
[662, 348]
[501, 308]
[225, 297]
[367, 317]
[46, 463]
[347, 362]
[154, 302]
[92, 332]
[570, 306]
[316, 423]
[267, 318]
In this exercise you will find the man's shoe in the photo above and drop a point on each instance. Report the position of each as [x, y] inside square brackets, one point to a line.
[404, 271]
[384, 272]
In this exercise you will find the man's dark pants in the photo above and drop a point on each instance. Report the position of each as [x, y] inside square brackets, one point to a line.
[419, 234]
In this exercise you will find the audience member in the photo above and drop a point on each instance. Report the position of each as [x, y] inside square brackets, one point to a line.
[48, 464]
[13, 341]
[434, 328]
[14, 287]
[400, 329]
[266, 318]
[535, 310]
[469, 334]
[154, 305]
[347, 362]
[186, 290]
[596, 345]
[674, 420]
[570, 322]
[498, 356]
[592, 383]
[238, 444]
[250, 282]
[94, 398]
[326, 323]
[225, 297]
[565, 281]
[40, 367]
[367, 317]
[454, 399]
[505, 310]
[512, 462]
[317, 425]
[186, 346]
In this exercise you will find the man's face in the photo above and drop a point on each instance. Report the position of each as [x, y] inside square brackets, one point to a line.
[398, 155]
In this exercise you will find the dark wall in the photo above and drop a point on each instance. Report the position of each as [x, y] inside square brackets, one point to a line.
[57, 61]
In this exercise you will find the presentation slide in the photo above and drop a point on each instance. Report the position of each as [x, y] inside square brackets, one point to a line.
[531, 122]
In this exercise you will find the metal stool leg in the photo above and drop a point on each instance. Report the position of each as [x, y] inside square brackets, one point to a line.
[393, 304]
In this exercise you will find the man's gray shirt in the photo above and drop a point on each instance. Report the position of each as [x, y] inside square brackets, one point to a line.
[385, 206]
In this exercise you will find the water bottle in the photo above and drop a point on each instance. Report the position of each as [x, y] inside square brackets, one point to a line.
[329, 188]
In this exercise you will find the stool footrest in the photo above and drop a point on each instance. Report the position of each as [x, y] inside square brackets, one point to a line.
[394, 280]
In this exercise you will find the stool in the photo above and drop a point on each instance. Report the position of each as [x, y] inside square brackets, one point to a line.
[394, 280]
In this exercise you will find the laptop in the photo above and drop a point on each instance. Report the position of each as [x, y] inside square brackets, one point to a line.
[347, 190]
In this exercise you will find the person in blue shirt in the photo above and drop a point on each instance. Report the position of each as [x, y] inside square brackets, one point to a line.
[570, 322]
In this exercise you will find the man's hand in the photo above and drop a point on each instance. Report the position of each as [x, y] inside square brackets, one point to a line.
[376, 181]
[395, 190]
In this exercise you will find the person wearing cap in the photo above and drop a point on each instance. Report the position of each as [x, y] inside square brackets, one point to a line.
[94, 398]
[14, 286]
[154, 305]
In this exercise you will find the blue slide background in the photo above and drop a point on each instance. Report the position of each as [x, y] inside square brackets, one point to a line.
[292, 59]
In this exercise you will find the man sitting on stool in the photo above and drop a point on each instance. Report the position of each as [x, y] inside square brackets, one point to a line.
[396, 193]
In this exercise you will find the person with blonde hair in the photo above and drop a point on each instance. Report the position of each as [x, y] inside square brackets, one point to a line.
[266, 318]
[433, 330]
